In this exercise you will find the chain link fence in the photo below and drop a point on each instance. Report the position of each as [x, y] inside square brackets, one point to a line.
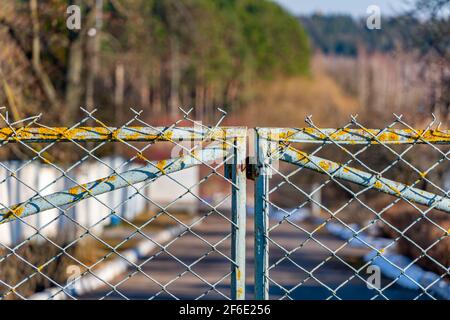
[368, 209]
[83, 219]
[162, 212]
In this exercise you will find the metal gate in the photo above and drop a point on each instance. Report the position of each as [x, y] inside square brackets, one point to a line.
[324, 188]
[48, 250]
[343, 213]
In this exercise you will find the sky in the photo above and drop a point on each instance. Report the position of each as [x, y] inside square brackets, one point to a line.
[354, 7]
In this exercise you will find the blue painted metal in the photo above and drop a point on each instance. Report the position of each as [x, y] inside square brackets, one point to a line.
[365, 179]
[238, 217]
[261, 217]
[356, 136]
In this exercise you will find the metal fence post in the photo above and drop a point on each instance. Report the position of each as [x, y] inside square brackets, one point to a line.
[261, 218]
[238, 217]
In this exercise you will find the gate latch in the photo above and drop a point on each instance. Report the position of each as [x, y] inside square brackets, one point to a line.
[251, 168]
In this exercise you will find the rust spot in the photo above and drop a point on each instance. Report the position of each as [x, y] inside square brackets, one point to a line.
[16, 211]
[393, 188]
[161, 166]
[310, 131]
[75, 190]
[320, 227]
[285, 135]
[338, 135]
[167, 135]
[388, 136]
[378, 185]
[325, 165]
[110, 179]
[219, 134]
[301, 156]
[115, 135]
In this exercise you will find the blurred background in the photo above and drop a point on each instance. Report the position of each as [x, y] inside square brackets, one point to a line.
[257, 59]
[266, 63]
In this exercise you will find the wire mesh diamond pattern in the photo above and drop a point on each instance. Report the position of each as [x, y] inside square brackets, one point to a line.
[93, 211]
[356, 201]
[139, 211]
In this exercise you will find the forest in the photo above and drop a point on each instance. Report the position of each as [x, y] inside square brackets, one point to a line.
[342, 34]
[159, 55]
[404, 67]
[155, 54]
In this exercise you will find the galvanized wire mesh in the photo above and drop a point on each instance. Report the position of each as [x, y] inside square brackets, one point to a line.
[148, 212]
[337, 208]
[93, 211]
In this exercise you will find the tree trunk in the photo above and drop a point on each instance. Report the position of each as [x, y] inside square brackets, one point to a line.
[93, 50]
[156, 89]
[42, 76]
[174, 99]
[119, 92]
[74, 89]
[144, 91]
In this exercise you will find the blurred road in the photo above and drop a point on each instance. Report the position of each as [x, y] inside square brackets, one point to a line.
[212, 270]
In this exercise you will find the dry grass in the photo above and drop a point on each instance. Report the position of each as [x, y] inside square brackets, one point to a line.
[286, 102]
[424, 233]
[160, 222]
[19, 269]
[124, 236]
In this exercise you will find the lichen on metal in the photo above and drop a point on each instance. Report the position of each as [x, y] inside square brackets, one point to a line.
[365, 179]
[355, 136]
[132, 133]
[113, 182]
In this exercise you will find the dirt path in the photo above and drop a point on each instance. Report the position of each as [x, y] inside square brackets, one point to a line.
[209, 277]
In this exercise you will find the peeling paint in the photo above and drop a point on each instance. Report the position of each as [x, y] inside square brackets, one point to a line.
[107, 184]
[99, 134]
[366, 179]
[161, 165]
[357, 136]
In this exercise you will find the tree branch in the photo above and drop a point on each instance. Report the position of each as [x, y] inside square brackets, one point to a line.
[16, 38]
[46, 84]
